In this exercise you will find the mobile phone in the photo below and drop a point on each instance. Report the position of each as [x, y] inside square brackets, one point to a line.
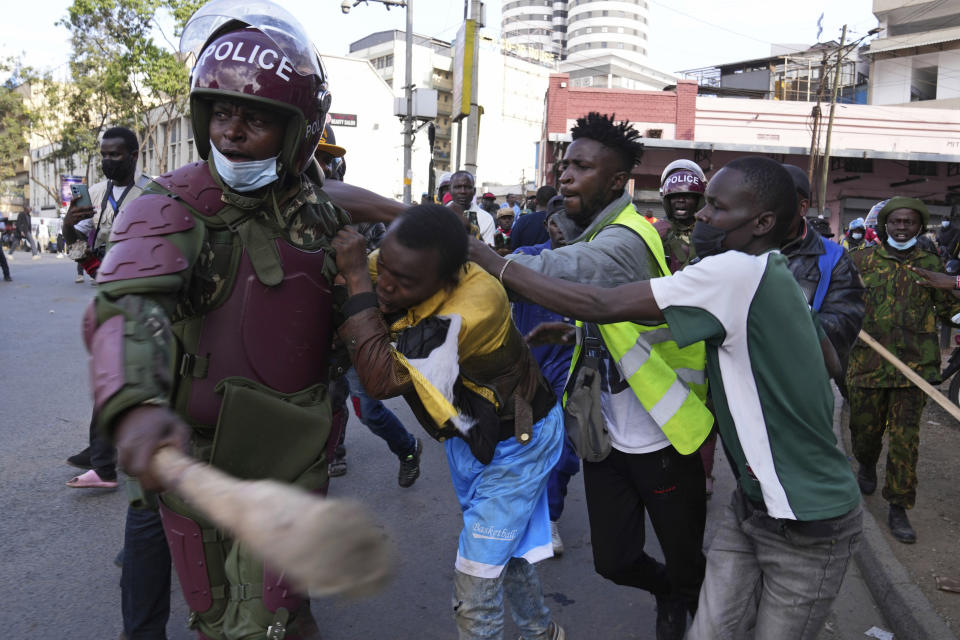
[84, 193]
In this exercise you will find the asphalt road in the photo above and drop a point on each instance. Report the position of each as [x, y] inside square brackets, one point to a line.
[57, 544]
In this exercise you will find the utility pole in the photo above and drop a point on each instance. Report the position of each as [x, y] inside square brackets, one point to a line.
[833, 105]
[408, 118]
[817, 116]
[473, 123]
[346, 6]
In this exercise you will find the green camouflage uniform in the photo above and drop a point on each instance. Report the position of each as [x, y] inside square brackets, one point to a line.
[677, 248]
[901, 315]
[163, 315]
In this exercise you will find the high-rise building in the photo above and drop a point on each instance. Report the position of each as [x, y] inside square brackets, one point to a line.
[599, 43]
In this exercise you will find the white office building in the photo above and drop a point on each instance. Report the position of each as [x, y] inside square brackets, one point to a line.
[511, 94]
[599, 43]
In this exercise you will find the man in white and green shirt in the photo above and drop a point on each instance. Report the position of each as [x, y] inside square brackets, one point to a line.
[780, 554]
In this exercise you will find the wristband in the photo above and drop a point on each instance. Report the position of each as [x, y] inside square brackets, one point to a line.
[359, 302]
[91, 265]
[506, 263]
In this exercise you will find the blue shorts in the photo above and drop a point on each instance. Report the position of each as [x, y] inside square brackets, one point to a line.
[504, 503]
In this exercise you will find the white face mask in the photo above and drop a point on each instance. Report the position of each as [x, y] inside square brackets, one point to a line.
[902, 246]
[244, 176]
[856, 236]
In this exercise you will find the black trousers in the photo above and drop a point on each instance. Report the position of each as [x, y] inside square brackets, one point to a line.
[3, 264]
[145, 580]
[103, 455]
[668, 486]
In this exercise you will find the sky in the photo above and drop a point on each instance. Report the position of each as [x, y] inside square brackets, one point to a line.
[683, 34]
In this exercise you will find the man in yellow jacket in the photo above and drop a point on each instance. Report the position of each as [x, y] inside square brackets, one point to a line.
[651, 392]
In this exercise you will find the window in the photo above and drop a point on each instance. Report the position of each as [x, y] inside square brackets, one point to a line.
[852, 165]
[921, 168]
[923, 84]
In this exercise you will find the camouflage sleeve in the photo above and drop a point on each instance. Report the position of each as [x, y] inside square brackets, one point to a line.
[948, 305]
[841, 313]
[127, 328]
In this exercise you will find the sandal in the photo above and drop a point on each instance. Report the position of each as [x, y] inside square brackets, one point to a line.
[91, 480]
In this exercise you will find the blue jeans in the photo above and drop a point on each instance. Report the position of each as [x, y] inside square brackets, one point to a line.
[380, 420]
[772, 578]
[478, 603]
[145, 580]
[567, 466]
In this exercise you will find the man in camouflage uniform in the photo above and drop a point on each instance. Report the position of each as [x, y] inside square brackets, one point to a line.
[901, 315]
[681, 191]
[212, 325]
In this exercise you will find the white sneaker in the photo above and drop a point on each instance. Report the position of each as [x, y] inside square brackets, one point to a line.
[78, 279]
[555, 538]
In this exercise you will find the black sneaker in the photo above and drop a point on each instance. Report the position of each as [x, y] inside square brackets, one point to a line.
[900, 525]
[671, 618]
[867, 479]
[337, 467]
[80, 460]
[410, 467]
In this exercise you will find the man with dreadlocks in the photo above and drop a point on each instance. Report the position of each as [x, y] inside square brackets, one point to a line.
[650, 392]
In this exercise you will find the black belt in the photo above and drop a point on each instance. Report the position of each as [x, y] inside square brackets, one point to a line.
[543, 401]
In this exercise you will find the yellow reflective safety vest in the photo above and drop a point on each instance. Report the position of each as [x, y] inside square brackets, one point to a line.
[669, 382]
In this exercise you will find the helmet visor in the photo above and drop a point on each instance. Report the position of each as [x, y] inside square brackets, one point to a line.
[273, 20]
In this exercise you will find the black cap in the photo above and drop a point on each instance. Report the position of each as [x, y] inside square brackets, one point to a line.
[555, 205]
[800, 180]
[821, 226]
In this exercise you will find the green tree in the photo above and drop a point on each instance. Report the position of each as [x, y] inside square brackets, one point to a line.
[123, 75]
[14, 132]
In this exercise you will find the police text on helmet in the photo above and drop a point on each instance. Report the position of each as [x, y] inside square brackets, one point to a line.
[266, 59]
[682, 177]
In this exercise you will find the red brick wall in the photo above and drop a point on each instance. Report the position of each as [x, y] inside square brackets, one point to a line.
[566, 102]
[686, 115]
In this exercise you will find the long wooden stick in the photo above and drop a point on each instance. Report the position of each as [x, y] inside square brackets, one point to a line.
[322, 546]
[912, 375]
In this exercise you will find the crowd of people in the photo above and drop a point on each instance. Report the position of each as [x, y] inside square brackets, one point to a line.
[559, 330]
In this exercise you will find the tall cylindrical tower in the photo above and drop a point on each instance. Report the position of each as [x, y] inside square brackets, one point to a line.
[601, 28]
[531, 23]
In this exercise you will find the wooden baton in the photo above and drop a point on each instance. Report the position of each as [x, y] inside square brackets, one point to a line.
[322, 546]
[912, 375]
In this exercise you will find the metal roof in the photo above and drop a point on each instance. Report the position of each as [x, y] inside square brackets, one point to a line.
[911, 40]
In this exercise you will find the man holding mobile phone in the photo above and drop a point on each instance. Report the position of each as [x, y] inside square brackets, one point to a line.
[86, 227]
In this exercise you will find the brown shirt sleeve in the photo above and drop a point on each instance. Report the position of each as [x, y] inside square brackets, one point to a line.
[368, 342]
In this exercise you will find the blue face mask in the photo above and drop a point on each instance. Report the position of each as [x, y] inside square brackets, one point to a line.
[244, 176]
[902, 246]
